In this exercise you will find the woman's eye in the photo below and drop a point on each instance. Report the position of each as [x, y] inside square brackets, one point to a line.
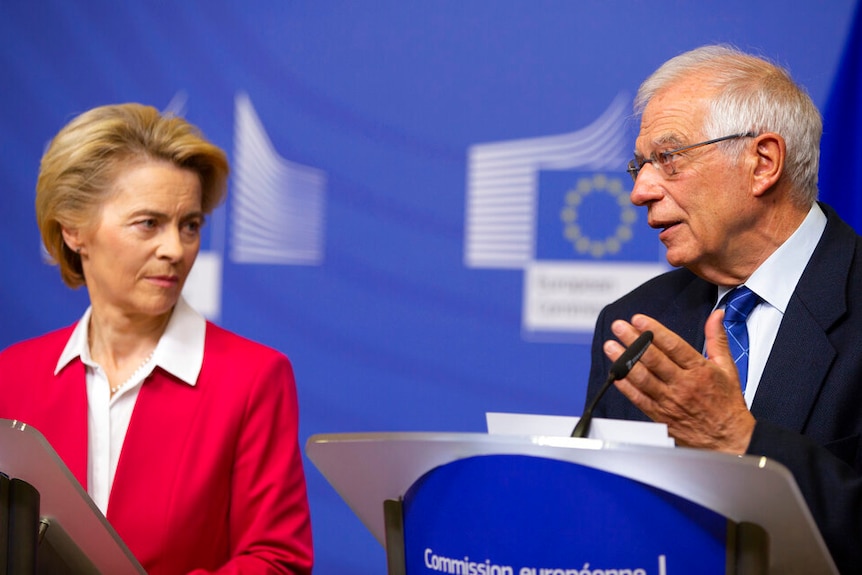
[193, 226]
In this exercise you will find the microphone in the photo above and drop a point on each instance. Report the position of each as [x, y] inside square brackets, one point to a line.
[619, 369]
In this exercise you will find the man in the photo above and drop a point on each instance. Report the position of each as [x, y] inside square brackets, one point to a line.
[726, 164]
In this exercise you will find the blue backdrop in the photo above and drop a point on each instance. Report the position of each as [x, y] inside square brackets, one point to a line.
[392, 224]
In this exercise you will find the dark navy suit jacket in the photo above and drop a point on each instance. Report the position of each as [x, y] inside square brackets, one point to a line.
[808, 404]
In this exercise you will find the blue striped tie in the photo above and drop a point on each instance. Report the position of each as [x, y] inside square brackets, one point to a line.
[738, 304]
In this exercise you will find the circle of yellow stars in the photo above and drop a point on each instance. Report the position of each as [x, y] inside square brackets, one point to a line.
[572, 231]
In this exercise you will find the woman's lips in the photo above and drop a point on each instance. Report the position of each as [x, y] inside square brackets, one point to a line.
[164, 281]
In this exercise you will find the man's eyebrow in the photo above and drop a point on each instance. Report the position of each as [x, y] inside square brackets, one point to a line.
[666, 140]
[669, 139]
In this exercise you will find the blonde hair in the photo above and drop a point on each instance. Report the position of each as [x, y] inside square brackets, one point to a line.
[82, 161]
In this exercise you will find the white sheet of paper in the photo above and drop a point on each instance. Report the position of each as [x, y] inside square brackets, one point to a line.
[613, 430]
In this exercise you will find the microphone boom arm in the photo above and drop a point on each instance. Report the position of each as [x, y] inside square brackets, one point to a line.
[619, 369]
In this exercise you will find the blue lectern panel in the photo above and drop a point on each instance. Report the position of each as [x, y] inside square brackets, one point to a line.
[520, 515]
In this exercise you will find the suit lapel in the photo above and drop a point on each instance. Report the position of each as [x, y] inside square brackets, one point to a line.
[687, 313]
[67, 432]
[802, 353]
[159, 432]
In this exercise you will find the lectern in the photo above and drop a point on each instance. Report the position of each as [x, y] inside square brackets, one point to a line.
[533, 505]
[50, 517]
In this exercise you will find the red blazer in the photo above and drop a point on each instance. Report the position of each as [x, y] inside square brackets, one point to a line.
[210, 477]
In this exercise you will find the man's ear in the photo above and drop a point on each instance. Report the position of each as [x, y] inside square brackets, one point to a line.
[770, 151]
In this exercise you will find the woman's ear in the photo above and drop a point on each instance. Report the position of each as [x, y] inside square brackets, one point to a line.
[770, 151]
[72, 237]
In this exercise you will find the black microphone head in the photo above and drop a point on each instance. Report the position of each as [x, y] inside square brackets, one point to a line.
[621, 367]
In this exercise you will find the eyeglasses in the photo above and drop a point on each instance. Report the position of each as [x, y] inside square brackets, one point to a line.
[664, 160]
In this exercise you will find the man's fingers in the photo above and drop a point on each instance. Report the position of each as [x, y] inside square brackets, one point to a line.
[640, 381]
[683, 356]
[717, 348]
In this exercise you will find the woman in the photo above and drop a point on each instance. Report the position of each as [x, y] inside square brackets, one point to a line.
[185, 435]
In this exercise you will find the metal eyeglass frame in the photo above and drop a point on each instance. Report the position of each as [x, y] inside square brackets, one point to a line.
[662, 159]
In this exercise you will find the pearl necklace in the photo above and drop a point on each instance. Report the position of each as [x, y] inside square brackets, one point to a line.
[135, 375]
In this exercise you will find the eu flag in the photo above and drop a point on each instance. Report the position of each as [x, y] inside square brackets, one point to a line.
[588, 216]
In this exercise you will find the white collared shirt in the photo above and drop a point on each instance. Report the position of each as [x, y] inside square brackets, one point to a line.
[180, 351]
[775, 281]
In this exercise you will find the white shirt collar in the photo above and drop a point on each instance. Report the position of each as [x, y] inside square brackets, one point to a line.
[180, 350]
[776, 278]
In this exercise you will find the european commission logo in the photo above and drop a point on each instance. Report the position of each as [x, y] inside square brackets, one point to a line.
[277, 212]
[558, 208]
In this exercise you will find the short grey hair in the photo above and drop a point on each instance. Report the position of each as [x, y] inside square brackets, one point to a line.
[752, 95]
